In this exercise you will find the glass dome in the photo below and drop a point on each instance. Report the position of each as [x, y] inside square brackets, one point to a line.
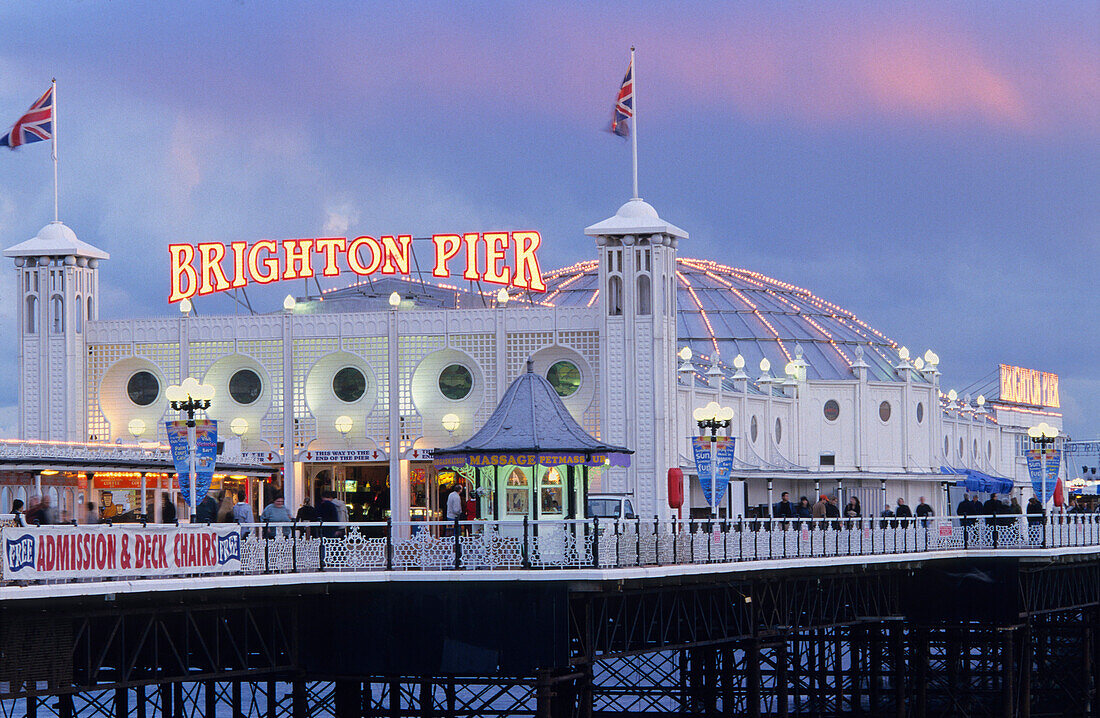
[737, 311]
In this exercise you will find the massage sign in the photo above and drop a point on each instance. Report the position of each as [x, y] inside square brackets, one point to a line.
[119, 551]
[503, 258]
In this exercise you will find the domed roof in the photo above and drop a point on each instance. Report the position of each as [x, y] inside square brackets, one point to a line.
[635, 217]
[55, 240]
[735, 311]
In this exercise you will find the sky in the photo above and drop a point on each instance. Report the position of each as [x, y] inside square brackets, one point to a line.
[933, 167]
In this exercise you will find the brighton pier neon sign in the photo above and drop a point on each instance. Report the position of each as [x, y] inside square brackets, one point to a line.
[1028, 386]
[505, 258]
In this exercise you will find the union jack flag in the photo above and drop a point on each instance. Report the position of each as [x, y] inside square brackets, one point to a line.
[624, 104]
[36, 125]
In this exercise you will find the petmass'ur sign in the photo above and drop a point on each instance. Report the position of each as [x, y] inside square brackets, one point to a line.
[99, 551]
[506, 258]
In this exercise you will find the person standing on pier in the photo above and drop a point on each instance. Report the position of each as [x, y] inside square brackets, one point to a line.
[784, 509]
[242, 513]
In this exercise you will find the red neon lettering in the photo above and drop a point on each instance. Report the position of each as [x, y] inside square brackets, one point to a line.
[298, 252]
[494, 255]
[272, 263]
[239, 252]
[181, 257]
[210, 258]
[329, 246]
[470, 239]
[396, 254]
[528, 275]
[375, 255]
[446, 246]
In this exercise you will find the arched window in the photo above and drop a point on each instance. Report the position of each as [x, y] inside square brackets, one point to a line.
[78, 316]
[90, 317]
[32, 314]
[615, 296]
[645, 295]
[57, 314]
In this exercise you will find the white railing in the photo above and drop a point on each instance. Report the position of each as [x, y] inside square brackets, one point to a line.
[611, 544]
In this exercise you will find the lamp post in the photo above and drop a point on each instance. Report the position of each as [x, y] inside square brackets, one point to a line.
[190, 396]
[713, 417]
[1043, 435]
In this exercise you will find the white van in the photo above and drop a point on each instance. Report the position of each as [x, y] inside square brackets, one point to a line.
[609, 506]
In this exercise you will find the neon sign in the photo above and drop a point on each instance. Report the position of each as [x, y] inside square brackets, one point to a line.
[1028, 386]
[505, 258]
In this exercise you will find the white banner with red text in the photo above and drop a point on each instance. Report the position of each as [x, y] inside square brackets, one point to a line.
[49, 552]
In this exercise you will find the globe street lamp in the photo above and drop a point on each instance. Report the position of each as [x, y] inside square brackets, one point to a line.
[713, 417]
[190, 396]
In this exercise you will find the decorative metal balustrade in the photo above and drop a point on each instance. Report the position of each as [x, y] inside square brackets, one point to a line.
[609, 544]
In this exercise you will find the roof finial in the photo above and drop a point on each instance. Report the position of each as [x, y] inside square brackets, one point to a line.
[530, 366]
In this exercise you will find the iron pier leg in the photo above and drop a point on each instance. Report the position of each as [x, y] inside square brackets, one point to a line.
[32, 706]
[65, 707]
[427, 699]
[752, 668]
[451, 698]
[898, 645]
[1008, 672]
[122, 703]
[728, 700]
[211, 692]
[875, 639]
[821, 674]
[272, 700]
[782, 698]
[235, 700]
[298, 699]
[348, 699]
[165, 691]
[584, 709]
[543, 693]
[838, 669]
[395, 699]
[919, 654]
[1025, 672]
[178, 693]
[854, 634]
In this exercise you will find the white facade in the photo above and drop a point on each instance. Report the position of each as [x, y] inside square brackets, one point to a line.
[79, 376]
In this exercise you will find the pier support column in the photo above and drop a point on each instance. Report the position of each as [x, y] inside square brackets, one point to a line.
[752, 679]
[348, 698]
[235, 700]
[122, 703]
[211, 693]
[272, 700]
[1025, 674]
[299, 709]
[65, 705]
[1008, 672]
[897, 645]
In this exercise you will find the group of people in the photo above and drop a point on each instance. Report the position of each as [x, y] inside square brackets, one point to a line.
[827, 507]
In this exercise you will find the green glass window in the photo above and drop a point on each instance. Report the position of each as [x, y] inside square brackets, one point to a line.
[456, 382]
[143, 388]
[349, 384]
[565, 377]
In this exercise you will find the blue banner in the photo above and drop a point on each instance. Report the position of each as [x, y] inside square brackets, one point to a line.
[722, 465]
[206, 454]
[1042, 468]
[700, 446]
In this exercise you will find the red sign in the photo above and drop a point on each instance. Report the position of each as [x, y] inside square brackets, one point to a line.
[675, 488]
[946, 530]
[506, 258]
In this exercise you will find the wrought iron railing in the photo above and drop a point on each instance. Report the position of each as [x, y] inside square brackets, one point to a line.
[610, 544]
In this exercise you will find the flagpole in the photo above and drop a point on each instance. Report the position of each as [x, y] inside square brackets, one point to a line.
[54, 150]
[634, 129]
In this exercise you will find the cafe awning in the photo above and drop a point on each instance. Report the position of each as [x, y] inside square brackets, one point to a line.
[531, 426]
[975, 480]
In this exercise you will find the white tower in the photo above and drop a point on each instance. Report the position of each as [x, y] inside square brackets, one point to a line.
[637, 298]
[59, 292]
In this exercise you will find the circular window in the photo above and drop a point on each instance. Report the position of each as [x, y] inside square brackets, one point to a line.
[143, 388]
[754, 430]
[884, 411]
[245, 386]
[778, 430]
[349, 384]
[565, 377]
[456, 382]
[920, 412]
[832, 410]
